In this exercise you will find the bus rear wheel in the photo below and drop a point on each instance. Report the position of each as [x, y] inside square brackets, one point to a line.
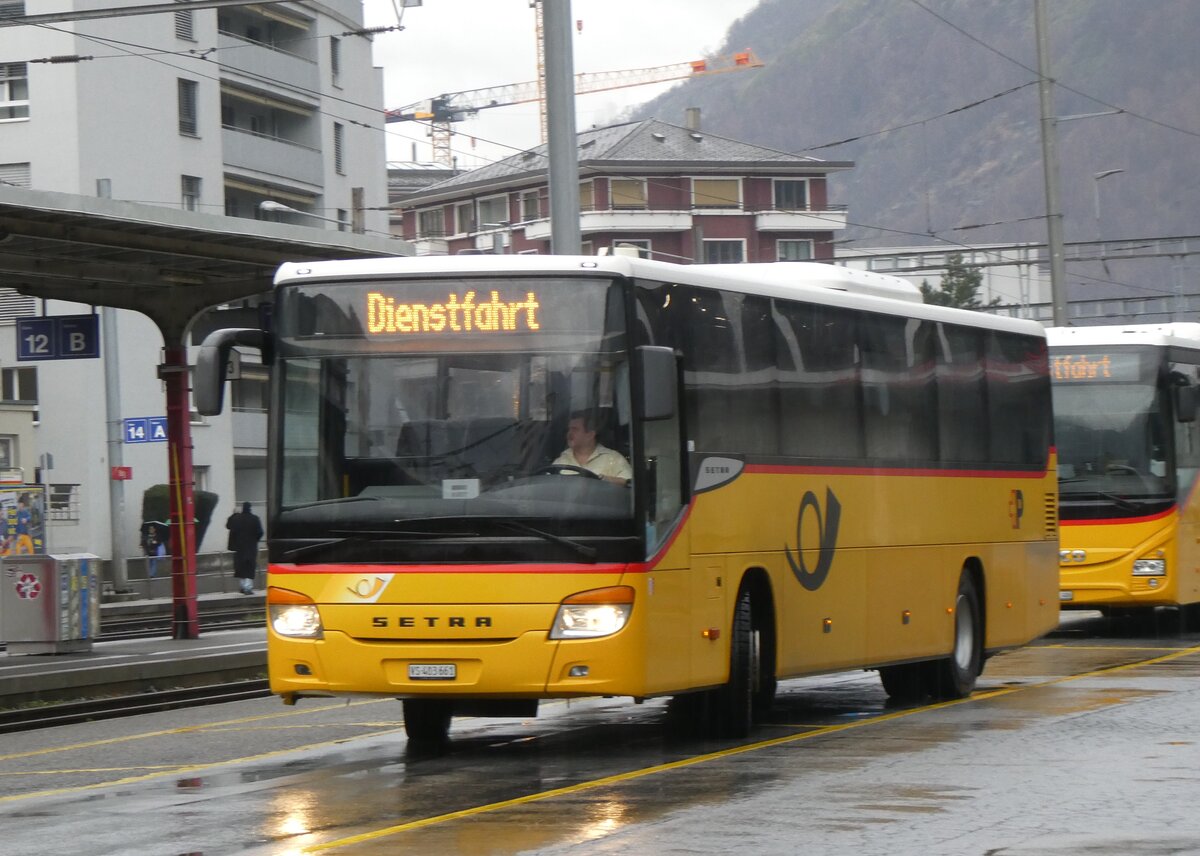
[954, 676]
[427, 723]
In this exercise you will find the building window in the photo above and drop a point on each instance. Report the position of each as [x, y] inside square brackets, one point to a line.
[493, 212]
[335, 59]
[343, 218]
[63, 503]
[14, 91]
[716, 193]
[431, 223]
[8, 453]
[587, 196]
[12, 8]
[189, 188]
[185, 25]
[464, 218]
[724, 252]
[15, 174]
[794, 251]
[188, 124]
[531, 206]
[791, 195]
[627, 193]
[339, 141]
[19, 385]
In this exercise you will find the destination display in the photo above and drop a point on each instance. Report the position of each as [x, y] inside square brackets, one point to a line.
[456, 312]
[1097, 367]
[439, 311]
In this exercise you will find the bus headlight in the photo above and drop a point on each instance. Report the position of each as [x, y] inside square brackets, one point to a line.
[1150, 567]
[592, 614]
[293, 614]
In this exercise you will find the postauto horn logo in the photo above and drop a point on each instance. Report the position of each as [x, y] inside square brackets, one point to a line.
[827, 525]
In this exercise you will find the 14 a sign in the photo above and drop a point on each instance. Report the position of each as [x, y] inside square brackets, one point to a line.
[145, 429]
[58, 337]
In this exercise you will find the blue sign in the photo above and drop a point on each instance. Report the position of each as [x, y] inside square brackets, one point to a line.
[158, 429]
[58, 337]
[145, 429]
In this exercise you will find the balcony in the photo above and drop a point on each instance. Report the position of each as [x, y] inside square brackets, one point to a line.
[262, 62]
[271, 156]
[832, 219]
[249, 431]
[431, 246]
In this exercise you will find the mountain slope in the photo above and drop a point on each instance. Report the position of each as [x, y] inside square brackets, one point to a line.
[938, 103]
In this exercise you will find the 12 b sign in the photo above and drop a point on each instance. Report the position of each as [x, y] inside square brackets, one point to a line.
[58, 337]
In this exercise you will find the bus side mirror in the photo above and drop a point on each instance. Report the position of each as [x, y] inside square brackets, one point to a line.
[212, 361]
[1185, 403]
[659, 374]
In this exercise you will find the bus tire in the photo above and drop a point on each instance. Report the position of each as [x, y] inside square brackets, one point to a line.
[427, 723]
[904, 683]
[954, 676]
[735, 700]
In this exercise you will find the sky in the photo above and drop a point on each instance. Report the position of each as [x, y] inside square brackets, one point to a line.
[458, 45]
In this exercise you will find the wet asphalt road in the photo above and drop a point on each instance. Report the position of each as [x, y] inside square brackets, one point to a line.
[1084, 743]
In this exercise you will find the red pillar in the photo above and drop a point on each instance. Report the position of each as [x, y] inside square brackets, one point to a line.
[174, 371]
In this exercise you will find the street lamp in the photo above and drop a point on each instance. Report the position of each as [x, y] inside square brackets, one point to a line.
[1096, 176]
[273, 207]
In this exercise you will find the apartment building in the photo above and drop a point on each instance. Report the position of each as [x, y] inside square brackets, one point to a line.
[675, 192]
[215, 111]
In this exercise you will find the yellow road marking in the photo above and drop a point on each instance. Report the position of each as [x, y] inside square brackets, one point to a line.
[711, 756]
[187, 729]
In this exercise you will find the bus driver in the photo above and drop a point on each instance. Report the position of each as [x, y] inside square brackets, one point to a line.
[583, 451]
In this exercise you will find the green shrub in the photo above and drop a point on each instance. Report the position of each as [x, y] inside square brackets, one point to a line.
[156, 505]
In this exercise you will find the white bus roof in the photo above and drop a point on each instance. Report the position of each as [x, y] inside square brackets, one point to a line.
[1176, 334]
[822, 283]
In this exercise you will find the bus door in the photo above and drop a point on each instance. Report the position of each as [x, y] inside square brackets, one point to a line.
[1186, 459]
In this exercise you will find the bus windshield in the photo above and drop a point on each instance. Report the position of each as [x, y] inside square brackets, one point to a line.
[1111, 430]
[423, 420]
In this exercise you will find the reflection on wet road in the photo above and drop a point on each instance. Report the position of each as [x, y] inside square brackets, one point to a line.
[833, 760]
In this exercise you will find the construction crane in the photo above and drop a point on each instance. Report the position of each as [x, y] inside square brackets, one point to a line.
[450, 107]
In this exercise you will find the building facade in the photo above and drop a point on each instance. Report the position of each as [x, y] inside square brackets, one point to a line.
[215, 111]
[675, 193]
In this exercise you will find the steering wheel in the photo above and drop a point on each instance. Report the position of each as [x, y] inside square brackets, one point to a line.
[1121, 468]
[564, 469]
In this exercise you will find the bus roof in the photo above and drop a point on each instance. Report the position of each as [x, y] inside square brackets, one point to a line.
[814, 281]
[1176, 334]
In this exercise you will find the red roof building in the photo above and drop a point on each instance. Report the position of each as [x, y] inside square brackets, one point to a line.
[675, 193]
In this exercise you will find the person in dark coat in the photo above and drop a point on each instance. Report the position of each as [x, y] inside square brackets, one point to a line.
[245, 531]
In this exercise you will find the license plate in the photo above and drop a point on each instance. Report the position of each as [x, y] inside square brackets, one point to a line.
[1066, 595]
[432, 671]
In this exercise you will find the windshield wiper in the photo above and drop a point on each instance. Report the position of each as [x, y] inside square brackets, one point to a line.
[372, 536]
[339, 500]
[582, 550]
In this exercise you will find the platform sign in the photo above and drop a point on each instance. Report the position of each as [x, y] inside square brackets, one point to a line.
[145, 429]
[58, 337]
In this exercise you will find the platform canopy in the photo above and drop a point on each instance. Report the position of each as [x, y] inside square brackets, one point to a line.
[167, 263]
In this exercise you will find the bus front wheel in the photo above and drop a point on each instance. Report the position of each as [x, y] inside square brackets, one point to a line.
[735, 701]
[427, 723]
[954, 676]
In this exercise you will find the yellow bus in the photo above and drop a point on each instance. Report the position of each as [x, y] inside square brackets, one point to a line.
[1129, 449]
[823, 474]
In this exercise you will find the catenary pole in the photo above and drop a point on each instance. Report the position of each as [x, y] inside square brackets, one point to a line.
[1054, 235]
[560, 129]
